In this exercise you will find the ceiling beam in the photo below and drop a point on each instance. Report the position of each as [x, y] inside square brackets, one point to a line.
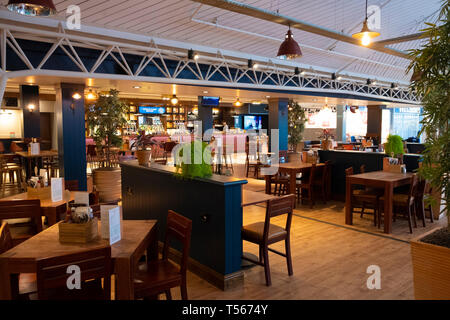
[409, 37]
[241, 8]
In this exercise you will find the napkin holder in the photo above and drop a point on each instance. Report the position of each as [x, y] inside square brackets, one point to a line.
[70, 232]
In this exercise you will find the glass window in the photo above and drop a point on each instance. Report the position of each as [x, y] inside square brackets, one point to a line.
[406, 122]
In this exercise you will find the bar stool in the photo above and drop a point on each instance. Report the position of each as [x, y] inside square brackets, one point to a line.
[9, 169]
[227, 156]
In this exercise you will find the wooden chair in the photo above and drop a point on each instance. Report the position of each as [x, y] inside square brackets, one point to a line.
[264, 233]
[71, 185]
[24, 218]
[404, 201]
[307, 184]
[321, 179]
[281, 182]
[427, 194]
[9, 169]
[363, 199]
[94, 265]
[419, 200]
[5, 237]
[252, 160]
[156, 277]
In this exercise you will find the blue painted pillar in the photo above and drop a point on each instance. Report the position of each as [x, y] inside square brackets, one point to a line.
[278, 119]
[29, 95]
[71, 133]
[205, 115]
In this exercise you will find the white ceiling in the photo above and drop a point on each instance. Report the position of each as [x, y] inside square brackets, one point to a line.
[171, 19]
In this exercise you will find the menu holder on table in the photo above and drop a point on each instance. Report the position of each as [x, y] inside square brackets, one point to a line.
[57, 189]
[35, 148]
[111, 226]
[393, 165]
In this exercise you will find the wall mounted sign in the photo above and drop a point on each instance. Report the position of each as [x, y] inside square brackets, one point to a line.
[152, 110]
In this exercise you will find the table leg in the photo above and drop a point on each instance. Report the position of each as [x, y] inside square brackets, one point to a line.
[348, 202]
[268, 186]
[388, 195]
[5, 281]
[292, 182]
[124, 279]
[51, 214]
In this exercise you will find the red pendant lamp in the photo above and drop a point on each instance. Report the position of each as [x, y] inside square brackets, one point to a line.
[289, 49]
[32, 7]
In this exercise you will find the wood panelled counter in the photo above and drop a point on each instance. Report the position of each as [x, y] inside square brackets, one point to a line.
[213, 204]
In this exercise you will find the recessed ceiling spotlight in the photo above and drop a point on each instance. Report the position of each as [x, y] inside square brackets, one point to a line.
[205, 92]
[267, 97]
[136, 87]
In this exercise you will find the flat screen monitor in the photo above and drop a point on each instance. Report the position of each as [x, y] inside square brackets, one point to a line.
[210, 101]
[252, 123]
[151, 110]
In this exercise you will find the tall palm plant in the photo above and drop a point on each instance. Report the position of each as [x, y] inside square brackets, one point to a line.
[431, 81]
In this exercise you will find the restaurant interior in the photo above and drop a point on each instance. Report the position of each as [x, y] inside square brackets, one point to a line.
[279, 176]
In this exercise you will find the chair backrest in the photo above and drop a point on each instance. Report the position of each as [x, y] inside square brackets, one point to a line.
[5, 238]
[412, 186]
[52, 273]
[71, 185]
[178, 228]
[169, 145]
[362, 168]
[91, 150]
[326, 171]
[348, 171]
[420, 189]
[15, 209]
[312, 173]
[276, 207]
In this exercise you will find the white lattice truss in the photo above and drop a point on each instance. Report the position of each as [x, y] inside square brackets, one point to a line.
[271, 74]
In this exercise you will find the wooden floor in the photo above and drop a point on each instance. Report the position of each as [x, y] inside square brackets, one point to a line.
[330, 259]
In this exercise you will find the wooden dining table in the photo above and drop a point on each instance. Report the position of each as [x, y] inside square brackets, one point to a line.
[28, 157]
[50, 209]
[252, 197]
[376, 179]
[292, 169]
[139, 236]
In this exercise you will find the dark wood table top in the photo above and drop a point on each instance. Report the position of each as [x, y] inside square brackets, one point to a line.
[298, 165]
[44, 153]
[384, 176]
[46, 243]
[252, 197]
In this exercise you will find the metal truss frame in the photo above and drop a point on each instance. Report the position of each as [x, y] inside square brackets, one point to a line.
[219, 68]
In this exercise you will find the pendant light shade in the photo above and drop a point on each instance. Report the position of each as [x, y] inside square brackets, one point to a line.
[289, 49]
[32, 7]
[365, 35]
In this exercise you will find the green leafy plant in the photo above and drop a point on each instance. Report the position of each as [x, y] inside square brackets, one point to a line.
[190, 169]
[105, 117]
[143, 141]
[431, 82]
[296, 124]
[394, 145]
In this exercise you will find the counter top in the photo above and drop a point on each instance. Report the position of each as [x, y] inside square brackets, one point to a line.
[370, 152]
[215, 178]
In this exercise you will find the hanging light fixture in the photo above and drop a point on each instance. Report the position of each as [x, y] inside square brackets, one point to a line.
[91, 95]
[365, 35]
[237, 103]
[32, 7]
[174, 99]
[289, 49]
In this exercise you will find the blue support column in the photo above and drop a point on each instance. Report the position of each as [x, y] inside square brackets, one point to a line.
[71, 133]
[29, 95]
[205, 115]
[278, 119]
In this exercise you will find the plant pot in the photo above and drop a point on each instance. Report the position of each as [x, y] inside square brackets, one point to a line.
[108, 183]
[326, 144]
[431, 265]
[143, 157]
[294, 157]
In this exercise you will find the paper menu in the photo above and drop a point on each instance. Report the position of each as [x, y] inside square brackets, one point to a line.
[81, 197]
[57, 189]
[111, 226]
[35, 148]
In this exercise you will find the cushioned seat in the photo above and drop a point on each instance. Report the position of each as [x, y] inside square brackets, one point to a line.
[158, 272]
[255, 231]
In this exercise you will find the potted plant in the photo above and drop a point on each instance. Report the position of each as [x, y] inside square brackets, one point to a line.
[296, 124]
[142, 144]
[326, 139]
[105, 118]
[431, 82]
[394, 146]
[186, 166]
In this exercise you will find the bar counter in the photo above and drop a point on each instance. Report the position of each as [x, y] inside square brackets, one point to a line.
[213, 204]
[343, 159]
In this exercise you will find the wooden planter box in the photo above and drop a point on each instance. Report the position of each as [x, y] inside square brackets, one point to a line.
[40, 193]
[431, 268]
[78, 232]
